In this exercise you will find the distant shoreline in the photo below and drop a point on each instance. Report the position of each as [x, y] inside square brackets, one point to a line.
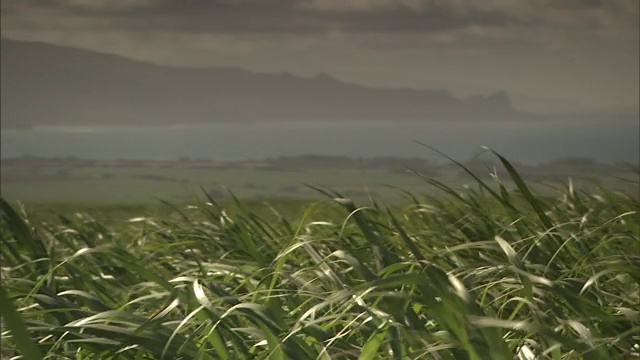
[553, 118]
[89, 128]
[317, 159]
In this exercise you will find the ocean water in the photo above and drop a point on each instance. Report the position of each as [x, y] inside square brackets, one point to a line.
[528, 142]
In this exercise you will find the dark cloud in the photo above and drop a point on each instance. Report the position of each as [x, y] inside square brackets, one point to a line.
[292, 16]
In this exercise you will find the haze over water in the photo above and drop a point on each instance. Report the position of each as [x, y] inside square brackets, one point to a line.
[528, 142]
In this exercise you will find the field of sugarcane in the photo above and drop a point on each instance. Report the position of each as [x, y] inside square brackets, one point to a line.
[484, 272]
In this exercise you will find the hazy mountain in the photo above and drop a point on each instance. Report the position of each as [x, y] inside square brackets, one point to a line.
[546, 105]
[44, 84]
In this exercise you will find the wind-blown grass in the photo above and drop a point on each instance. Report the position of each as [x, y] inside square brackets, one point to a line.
[484, 273]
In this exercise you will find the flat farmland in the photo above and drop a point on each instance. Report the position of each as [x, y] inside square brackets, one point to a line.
[70, 180]
[148, 185]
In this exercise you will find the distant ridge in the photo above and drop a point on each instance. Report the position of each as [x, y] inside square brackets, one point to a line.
[49, 85]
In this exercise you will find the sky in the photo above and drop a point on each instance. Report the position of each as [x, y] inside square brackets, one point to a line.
[579, 50]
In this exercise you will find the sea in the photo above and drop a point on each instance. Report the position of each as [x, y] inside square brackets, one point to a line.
[526, 142]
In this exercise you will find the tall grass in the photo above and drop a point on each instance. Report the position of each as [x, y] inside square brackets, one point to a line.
[483, 273]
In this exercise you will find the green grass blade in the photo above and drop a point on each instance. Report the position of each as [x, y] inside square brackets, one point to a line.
[19, 331]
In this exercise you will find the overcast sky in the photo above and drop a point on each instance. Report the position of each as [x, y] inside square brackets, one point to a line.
[585, 50]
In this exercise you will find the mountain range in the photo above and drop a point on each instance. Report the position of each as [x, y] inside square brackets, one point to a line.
[50, 85]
